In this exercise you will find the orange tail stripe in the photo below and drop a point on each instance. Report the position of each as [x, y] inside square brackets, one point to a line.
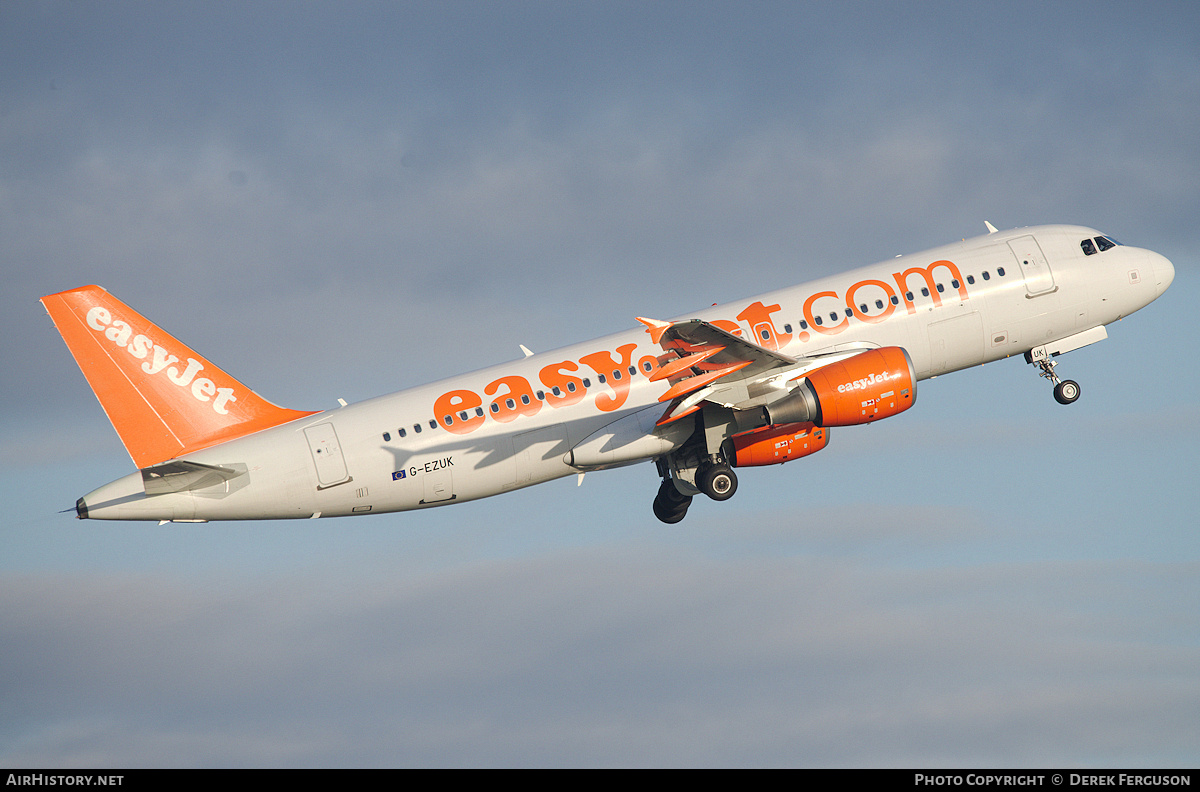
[163, 399]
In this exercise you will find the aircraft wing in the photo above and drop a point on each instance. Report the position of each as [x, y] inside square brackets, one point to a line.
[703, 362]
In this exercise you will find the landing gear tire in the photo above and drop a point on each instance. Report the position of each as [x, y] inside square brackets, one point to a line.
[666, 514]
[717, 482]
[1066, 391]
[670, 505]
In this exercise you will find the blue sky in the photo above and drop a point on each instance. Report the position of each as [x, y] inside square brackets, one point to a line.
[340, 200]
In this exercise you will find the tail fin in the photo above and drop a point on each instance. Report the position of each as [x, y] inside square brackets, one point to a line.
[163, 399]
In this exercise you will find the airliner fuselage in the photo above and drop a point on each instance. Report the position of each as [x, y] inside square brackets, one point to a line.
[1036, 292]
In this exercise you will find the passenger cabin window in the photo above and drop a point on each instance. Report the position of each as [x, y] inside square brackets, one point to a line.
[386, 437]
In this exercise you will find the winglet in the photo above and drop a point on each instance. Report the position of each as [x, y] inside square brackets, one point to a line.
[163, 399]
[654, 327]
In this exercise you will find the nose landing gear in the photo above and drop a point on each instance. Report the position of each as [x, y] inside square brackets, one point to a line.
[1065, 391]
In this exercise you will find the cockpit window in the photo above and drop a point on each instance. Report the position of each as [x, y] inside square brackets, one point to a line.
[1097, 245]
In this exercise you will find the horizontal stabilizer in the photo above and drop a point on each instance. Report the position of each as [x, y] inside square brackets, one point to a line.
[181, 475]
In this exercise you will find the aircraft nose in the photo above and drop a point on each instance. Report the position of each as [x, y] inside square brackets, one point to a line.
[1164, 272]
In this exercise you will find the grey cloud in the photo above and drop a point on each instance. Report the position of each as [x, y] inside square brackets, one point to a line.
[605, 657]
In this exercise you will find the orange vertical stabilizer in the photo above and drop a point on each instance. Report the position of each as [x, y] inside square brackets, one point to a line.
[163, 399]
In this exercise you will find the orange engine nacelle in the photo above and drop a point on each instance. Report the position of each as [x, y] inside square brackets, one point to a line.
[774, 445]
[871, 385]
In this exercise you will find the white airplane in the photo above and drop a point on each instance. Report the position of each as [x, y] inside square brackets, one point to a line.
[753, 382]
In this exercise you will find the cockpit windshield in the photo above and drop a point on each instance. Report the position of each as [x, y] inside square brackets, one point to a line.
[1098, 245]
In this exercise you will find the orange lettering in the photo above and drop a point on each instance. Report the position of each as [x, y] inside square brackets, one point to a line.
[901, 279]
[570, 389]
[448, 405]
[812, 320]
[762, 329]
[603, 363]
[519, 393]
[889, 307]
[726, 324]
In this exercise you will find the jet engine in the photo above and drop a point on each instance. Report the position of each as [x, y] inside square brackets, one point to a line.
[774, 445]
[874, 384]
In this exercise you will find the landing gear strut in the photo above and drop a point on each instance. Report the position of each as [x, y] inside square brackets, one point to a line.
[1065, 391]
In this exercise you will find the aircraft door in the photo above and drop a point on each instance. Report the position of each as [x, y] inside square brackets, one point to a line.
[1034, 267]
[327, 455]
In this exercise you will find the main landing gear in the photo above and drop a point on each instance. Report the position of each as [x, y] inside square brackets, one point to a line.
[670, 505]
[716, 480]
[1065, 391]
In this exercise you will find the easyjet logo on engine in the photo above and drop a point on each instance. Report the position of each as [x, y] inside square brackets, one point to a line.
[866, 382]
[158, 360]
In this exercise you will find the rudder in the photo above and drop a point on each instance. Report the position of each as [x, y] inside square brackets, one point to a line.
[163, 399]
